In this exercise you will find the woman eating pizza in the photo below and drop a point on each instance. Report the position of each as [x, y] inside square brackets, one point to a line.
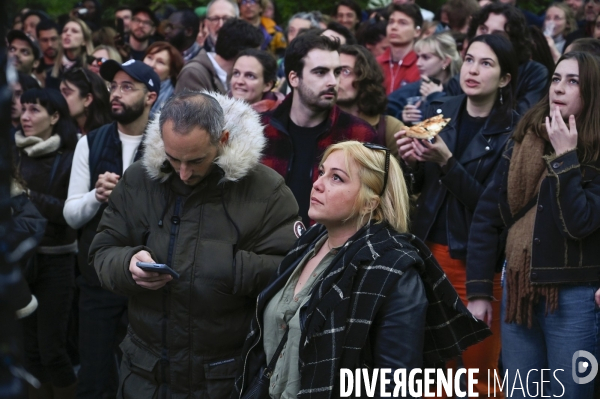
[451, 172]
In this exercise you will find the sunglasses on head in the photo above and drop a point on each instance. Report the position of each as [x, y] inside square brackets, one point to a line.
[377, 147]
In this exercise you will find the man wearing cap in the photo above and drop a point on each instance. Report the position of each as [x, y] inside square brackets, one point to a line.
[100, 159]
[24, 51]
[141, 29]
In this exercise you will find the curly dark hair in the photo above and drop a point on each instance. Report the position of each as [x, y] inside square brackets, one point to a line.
[516, 28]
[371, 98]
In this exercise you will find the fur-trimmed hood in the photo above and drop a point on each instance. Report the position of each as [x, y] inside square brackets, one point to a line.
[241, 153]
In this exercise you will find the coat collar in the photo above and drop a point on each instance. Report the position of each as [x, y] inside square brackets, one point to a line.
[500, 121]
[407, 61]
[241, 154]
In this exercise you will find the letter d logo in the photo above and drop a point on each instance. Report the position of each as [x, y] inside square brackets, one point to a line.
[583, 366]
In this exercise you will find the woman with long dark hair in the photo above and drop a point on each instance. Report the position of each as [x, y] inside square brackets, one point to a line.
[546, 195]
[87, 97]
[43, 154]
[451, 173]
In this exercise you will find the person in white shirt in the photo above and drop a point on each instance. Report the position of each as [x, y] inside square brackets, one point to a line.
[101, 157]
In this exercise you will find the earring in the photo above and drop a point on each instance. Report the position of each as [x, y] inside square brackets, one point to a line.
[501, 100]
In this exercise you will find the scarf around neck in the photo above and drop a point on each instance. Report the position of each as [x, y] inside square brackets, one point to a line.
[35, 146]
[526, 172]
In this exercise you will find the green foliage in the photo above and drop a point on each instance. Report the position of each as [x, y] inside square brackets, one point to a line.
[286, 8]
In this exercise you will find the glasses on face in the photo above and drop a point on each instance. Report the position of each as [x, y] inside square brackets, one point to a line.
[248, 2]
[216, 19]
[377, 147]
[124, 87]
[98, 60]
[145, 22]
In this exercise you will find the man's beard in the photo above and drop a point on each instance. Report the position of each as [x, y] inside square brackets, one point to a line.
[128, 114]
[51, 53]
[314, 101]
[140, 38]
[178, 41]
[345, 102]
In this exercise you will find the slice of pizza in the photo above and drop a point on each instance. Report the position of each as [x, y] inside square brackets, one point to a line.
[428, 129]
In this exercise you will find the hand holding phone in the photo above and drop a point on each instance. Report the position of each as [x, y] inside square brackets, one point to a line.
[150, 280]
[160, 268]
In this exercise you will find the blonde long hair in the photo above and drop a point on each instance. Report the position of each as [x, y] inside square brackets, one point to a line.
[393, 206]
[87, 48]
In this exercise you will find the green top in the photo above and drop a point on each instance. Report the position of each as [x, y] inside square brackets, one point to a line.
[283, 311]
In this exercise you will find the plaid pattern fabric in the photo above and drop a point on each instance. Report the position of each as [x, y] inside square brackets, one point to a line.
[344, 304]
[341, 126]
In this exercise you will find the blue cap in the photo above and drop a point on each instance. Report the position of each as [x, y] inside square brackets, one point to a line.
[136, 69]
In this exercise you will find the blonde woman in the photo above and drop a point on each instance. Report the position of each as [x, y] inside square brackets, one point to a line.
[100, 55]
[76, 45]
[438, 60]
[353, 291]
[560, 21]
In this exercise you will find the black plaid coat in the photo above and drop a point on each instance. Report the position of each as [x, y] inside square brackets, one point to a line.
[336, 322]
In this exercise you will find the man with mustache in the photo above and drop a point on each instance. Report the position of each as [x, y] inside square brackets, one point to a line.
[24, 51]
[100, 159]
[141, 29]
[48, 39]
[308, 121]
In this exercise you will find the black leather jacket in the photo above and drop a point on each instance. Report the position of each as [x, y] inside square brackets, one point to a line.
[465, 178]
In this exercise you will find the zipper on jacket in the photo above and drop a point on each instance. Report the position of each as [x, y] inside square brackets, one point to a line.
[251, 348]
[164, 358]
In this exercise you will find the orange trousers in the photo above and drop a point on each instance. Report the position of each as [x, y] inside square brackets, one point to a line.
[484, 355]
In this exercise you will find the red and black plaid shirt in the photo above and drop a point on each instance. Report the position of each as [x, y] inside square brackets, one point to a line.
[341, 126]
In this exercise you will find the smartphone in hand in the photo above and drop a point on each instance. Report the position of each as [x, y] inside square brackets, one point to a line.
[157, 268]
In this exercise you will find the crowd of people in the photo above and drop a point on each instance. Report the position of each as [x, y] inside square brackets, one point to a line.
[224, 204]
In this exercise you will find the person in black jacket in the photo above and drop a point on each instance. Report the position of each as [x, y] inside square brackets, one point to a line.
[355, 290]
[546, 191]
[44, 153]
[452, 172]
[533, 76]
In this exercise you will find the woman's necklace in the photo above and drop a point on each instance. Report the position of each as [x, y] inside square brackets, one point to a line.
[393, 73]
[328, 244]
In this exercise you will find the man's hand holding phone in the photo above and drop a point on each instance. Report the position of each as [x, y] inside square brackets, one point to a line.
[149, 280]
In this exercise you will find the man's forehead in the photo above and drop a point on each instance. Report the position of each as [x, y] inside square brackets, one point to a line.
[400, 15]
[300, 22]
[221, 7]
[20, 43]
[143, 14]
[347, 60]
[48, 32]
[322, 58]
